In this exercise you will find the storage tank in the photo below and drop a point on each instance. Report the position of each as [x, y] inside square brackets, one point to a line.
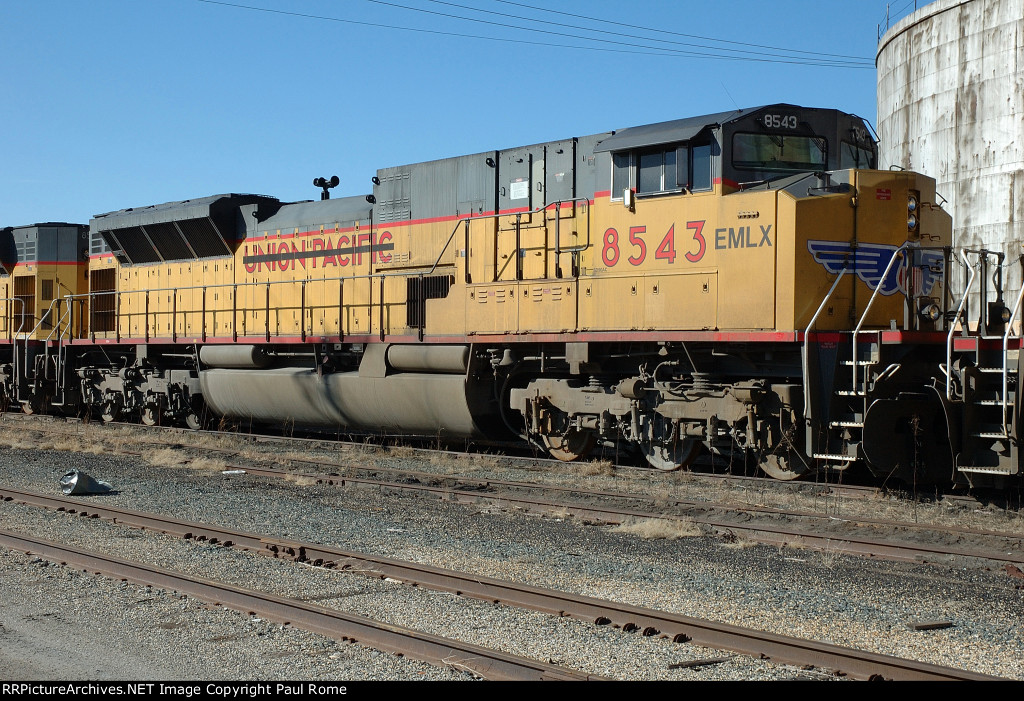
[951, 105]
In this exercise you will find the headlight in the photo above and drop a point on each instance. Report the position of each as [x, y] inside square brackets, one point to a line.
[931, 312]
[911, 221]
[912, 203]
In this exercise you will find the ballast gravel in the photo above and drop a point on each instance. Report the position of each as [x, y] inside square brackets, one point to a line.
[57, 623]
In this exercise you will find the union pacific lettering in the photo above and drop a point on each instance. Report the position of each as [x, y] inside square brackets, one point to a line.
[318, 251]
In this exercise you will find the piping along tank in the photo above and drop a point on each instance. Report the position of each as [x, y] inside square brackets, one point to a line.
[424, 390]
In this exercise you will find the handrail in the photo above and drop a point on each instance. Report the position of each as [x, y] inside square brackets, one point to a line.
[28, 334]
[1006, 359]
[296, 281]
[117, 294]
[557, 204]
[14, 341]
[235, 286]
[26, 338]
[12, 335]
[807, 332]
[867, 308]
[956, 318]
[61, 331]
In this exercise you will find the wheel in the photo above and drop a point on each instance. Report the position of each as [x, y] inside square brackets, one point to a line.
[783, 460]
[110, 411]
[150, 415]
[193, 421]
[572, 445]
[783, 467]
[663, 447]
[681, 453]
[27, 408]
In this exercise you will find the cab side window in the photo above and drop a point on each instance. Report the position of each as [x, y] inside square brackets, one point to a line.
[662, 170]
[700, 158]
[622, 167]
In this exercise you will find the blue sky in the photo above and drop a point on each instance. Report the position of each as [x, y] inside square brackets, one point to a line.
[110, 104]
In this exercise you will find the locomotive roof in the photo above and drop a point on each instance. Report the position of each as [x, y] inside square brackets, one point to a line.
[316, 212]
[675, 130]
[198, 208]
[41, 225]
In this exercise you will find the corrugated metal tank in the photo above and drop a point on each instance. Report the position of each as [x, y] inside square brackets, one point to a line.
[951, 105]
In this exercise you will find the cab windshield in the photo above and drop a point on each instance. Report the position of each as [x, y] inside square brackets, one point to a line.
[778, 152]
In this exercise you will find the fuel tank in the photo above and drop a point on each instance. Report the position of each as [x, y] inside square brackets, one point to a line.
[418, 403]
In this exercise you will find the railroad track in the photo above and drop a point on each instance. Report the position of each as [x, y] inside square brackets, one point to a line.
[855, 663]
[532, 463]
[826, 487]
[1008, 548]
[443, 652]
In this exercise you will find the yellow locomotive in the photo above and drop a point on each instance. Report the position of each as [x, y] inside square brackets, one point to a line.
[744, 282]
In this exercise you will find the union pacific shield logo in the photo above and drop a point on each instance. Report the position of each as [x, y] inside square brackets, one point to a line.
[870, 261]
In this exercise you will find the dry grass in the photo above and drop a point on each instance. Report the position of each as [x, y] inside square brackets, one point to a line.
[166, 457]
[79, 445]
[401, 451]
[594, 468]
[301, 480]
[484, 461]
[447, 463]
[251, 454]
[19, 443]
[11, 438]
[830, 554]
[213, 464]
[658, 528]
[369, 447]
[57, 441]
[731, 541]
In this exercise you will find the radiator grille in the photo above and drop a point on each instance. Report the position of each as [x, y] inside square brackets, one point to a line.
[418, 291]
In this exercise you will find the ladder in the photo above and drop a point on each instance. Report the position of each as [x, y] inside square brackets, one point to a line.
[845, 429]
[989, 387]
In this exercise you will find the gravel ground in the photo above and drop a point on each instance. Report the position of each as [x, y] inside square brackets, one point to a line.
[123, 631]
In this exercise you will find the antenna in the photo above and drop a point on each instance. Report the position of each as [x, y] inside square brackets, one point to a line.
[730, 96]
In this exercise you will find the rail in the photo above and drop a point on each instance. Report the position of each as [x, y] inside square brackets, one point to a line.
[13, 337]
[898, 253]
[387, 637]
[558, 247]
[1006, 360]
[201, 320]
[858, 663]
[953, 323]
[807, 334]
[129, 306]
[9, 316]
[63, 332]
[21, 335]
[894, 15]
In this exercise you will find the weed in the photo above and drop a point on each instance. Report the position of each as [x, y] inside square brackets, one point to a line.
[301, 480]
[830, 554]
[203, 463]
[401, 451]
[658, 528]
[594, 468]
[166, 457]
